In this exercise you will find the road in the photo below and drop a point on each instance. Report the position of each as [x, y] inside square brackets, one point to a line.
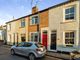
[5, 55]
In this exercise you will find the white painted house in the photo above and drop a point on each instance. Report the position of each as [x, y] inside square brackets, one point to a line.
[64, 27]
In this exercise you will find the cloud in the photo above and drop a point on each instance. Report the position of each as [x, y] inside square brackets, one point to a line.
[5, 18]
[28, 12]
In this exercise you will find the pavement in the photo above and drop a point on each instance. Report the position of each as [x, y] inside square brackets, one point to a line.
[59, 55]
[63, 56]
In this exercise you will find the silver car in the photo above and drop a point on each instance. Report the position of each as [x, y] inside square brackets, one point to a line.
[32, 50]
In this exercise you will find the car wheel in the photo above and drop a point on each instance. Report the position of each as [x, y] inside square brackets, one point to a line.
[31, 57]
[12, 52]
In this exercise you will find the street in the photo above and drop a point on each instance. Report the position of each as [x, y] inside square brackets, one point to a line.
[5, 55]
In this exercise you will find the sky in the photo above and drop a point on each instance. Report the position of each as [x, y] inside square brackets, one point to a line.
[20, 8]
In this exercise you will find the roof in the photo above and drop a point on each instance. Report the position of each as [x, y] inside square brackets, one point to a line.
[60, 4]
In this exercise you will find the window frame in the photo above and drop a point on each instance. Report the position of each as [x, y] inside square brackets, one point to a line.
[9, 27]
[69, 44]
[33, 21]
[34, 36]
[69, 7]
[23, 22]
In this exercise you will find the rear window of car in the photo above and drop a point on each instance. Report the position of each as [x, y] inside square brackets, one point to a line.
[38, 45]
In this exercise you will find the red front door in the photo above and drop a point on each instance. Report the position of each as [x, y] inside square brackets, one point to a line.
[44, 38]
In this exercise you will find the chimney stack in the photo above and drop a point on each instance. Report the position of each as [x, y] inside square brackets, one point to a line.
[34, 9]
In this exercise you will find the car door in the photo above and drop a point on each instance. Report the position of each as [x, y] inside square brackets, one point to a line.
[26, 48]
[18, 49]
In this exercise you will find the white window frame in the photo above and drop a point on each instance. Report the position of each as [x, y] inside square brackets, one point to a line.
[34, 20]
[22, 20]
[65, 38]
[64, 9]
[33, 38]
[9, 27]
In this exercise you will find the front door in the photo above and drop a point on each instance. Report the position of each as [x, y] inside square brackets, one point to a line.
[44, 38]
[53, 40]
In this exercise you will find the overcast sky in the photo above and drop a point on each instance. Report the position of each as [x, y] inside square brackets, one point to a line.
[19, 8]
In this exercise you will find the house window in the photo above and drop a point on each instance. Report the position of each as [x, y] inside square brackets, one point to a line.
[10, 38]
[23, 37]
[70, 13]
[69, 38]
[23, 22]
[34, 20]
[9, 27]
[34, 37]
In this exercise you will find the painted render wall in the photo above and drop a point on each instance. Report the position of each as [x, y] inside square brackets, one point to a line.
[79, 23]
[24, 30]
[13, 29]
[58, 23]
[16, 28]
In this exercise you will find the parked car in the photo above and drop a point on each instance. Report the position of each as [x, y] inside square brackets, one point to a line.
[32, 50]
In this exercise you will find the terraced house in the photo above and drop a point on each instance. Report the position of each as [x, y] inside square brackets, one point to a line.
[57, 27]
[17, 31]
[64, 26]
[37, 22]
[28, 27]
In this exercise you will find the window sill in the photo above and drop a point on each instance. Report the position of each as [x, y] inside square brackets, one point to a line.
[69, 45]
[34, 24]
[21, 27]
[9, 30]
[70, 21]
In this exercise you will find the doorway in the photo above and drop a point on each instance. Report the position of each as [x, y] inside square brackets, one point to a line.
[53, 40]
[44, 38]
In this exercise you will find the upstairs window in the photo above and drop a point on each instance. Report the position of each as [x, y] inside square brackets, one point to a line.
[34, 20]
[70, 13]
[9, 27]
[23, 22]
